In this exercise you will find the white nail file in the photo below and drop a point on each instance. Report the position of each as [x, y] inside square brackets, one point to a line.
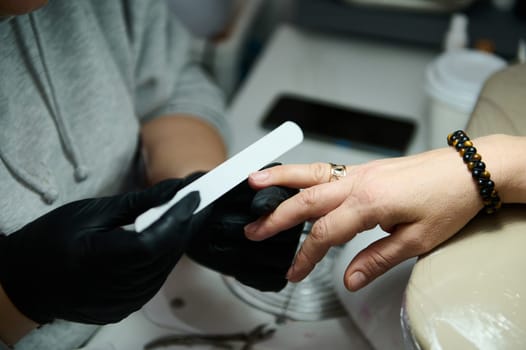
[232, 172]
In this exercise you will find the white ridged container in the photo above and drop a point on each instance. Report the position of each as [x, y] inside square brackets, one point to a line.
[453, 83]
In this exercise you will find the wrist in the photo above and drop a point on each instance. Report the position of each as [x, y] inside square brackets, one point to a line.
[13, 324]
[503, 155]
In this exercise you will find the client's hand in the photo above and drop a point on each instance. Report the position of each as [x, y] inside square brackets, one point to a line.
[78, 264]
[421, 200]
[219, 241]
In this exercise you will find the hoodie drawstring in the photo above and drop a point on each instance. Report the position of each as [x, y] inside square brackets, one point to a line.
[49, 193]
[73, 154]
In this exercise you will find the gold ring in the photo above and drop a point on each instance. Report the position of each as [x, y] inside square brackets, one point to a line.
[337, 171]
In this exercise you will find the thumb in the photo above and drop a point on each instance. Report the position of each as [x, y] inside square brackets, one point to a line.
[381, 256]
[268, 199]
[173, 229]
[126, 207]
[138, 202]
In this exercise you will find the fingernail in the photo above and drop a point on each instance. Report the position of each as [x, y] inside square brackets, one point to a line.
[357, 280]
[251, 228]
[260, 176]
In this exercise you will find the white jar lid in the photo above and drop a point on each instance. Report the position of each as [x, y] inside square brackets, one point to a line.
[457, 76]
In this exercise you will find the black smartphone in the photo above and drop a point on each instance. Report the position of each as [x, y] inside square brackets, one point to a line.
[345, 126]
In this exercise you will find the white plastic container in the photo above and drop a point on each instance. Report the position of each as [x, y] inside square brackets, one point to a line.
[453, 83]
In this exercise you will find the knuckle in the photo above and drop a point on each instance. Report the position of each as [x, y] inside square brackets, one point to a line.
[377, 264]
[369, 187]
[319, 172]
[319, 232]
[308, 197]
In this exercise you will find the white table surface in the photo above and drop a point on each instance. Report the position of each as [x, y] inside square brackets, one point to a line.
[349, 71]
[374, 76]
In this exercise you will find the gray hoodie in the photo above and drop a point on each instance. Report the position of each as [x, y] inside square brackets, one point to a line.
[76, 80]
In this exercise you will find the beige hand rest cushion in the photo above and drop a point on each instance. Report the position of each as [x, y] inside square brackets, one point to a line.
[470, 292]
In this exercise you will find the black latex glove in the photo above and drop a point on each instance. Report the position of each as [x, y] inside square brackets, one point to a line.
[219, 241]
[77, 263]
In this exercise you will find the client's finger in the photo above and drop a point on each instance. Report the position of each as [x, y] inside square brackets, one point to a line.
[381, 256]
[313, 202]
[292, 175]
[337, 227]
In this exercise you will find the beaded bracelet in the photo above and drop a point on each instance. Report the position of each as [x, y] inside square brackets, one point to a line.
[473, 160]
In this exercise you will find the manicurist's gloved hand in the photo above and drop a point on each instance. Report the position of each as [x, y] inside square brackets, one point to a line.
[77, 263]
[219, 242]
